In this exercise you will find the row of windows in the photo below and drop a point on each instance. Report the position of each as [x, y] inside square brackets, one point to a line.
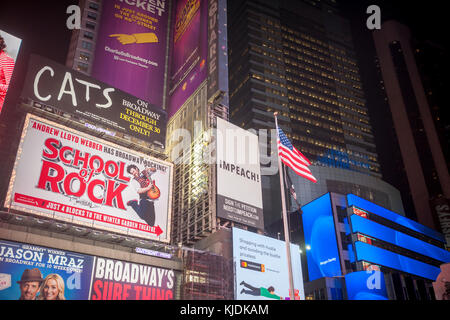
[294, 58]
[330, 146]
[325, 52]
[273, 72]
[321, 70]
[316, 41]
[269, 81]
[257, 49]
[326, 99]
[322, 107]
[316, 122]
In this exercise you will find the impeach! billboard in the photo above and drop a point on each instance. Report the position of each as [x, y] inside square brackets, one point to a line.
[131, 47]
[238, 171]
[29, 272]
[67, 175]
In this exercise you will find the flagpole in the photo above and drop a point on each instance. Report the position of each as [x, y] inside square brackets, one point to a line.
[286, 229]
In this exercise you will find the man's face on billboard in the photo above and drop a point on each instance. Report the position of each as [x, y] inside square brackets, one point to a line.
[29, 290]
[134, 172]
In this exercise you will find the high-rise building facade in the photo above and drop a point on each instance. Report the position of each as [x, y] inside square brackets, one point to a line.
[297, 59]
[421, 154]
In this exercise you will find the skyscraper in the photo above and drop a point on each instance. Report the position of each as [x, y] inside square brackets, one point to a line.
[298, 58]
[421, 153]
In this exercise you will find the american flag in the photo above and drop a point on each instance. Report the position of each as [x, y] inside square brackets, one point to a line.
[293, 158]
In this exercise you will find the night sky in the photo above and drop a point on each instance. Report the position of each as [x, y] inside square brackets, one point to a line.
[42, 24]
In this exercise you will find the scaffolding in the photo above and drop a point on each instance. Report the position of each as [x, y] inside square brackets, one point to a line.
[206, 276]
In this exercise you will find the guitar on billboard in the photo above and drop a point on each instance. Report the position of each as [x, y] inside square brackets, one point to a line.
[154, 192]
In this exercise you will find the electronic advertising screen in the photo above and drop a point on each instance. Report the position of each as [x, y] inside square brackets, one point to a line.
[322, 252]
[261, 271]
[67, 175]
[366, 285]
[9, 49]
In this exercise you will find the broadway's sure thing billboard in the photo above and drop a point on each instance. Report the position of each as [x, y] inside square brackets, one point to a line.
[54, 85]
[239, 194]
[131, 47]
[66, 175]
[189, 50]
[261, 267]
[65, 275]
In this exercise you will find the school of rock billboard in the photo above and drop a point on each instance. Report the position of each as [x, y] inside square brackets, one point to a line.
[131, 47]
[238, 172]
[189, 50]
[67, 175]
[31, 272]
[67, 90]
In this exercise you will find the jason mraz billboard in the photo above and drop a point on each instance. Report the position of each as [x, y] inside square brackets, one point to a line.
[54, 85]
[67, 175]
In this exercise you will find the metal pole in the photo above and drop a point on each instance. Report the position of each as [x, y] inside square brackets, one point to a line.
[286, 229]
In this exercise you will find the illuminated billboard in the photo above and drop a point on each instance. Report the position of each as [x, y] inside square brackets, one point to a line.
[360, 203]
[395, 261]
[30, 272]
[261, 271]
[22, 263]
[120, 280]
[67, 90]
[189, 50]
[9, 49]
[378, 231]
[366, 285]
[320, 239]
[66, 175]
[131, 48]
[239, 193]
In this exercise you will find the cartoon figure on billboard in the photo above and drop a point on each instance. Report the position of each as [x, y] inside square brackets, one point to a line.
[6, 70]
[148, 193]
[29, 284]
[52, 288]
[264, 292]
[135, 38]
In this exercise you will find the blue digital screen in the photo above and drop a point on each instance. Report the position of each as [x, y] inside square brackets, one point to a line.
[378, 231]
[396, 261]
[353, 200]
[320, 239]
[366, 285]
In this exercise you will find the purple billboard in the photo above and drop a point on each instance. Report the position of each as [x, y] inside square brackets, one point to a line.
[131, 47]
[189, 50]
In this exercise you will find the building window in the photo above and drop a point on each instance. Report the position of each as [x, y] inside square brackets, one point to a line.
[92, 15]
[93, 6]
[88, 35]
[81, 66]
[86, 45]
[85, 56]
[90, 25]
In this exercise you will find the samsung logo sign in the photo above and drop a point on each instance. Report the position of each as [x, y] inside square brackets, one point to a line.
[327, 261]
